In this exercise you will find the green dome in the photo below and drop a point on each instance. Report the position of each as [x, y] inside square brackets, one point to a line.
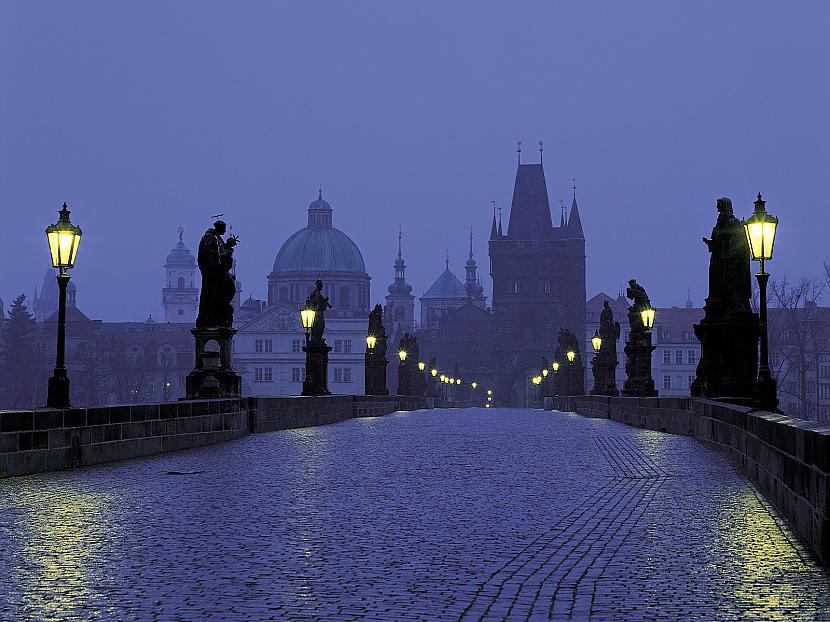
[319, 249]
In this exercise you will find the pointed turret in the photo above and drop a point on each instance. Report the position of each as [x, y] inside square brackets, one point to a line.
[399, 314]
[494, 231]
[574, 222]
[475, 292]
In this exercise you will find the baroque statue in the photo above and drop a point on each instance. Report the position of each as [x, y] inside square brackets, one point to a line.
[215, 258]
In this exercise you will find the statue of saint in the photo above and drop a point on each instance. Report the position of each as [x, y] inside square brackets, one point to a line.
[319, 304]
[609, 330]
[377, 329]
[730, 279]
[215, 260]
[639, 301]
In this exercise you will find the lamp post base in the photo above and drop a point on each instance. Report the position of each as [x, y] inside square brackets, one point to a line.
[316, 369]
[58, 396]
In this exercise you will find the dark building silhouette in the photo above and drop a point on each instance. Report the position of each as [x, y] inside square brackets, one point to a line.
[538, 272]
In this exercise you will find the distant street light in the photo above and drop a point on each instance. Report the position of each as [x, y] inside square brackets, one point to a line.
[434, 372]
[421, 365]
[371, 340]
[555, 366]
[64, 238]
[402, 355]
[571, 356]
[760, 231]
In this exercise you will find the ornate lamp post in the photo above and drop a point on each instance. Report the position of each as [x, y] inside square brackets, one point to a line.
[760, 233]
[371, 340]
[307, 316]
[596, 341]
[64, 238]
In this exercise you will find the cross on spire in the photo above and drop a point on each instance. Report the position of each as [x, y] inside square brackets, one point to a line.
[447, 258]
[471, 242]
[400, 235]
[541, 149]
[519, 150]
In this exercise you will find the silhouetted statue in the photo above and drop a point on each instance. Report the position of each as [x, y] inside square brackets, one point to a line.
[605, 361]
[319, 304]
[377, 330]
[730, 279]
[218, 284]
[638, 348]
[728, 332]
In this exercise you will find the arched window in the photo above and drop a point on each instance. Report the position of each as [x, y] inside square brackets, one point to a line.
[345, 298]
[181, 282]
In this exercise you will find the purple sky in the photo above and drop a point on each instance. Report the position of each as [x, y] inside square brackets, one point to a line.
[150, 115]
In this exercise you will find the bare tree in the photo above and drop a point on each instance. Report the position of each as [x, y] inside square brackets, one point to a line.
[796, 336]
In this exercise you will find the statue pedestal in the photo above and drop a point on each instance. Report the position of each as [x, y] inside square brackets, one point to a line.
[638, 367]
[605, 381]
[316, 368]
[728, 366]
[406, 379]
[375, 374]
[213, 375]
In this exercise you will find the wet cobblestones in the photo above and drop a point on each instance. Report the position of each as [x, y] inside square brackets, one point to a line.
[432, 515]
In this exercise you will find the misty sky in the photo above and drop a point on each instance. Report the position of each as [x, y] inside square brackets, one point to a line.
[149, 115]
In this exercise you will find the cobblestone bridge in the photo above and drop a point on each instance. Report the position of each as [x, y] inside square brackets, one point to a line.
[430, 515]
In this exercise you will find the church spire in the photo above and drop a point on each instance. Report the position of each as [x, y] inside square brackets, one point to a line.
[574, 222]
[500, 233]
[494, 232]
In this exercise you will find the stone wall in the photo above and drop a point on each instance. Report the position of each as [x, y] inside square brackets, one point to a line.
[48, 439]
[789, 459]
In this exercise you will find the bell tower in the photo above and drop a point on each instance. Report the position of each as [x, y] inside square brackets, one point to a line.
[180, 295]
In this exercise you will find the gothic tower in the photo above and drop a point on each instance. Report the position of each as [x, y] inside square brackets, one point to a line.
[180, 296]
[538, 275]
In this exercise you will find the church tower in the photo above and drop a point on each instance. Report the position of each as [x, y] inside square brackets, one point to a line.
[399, 314]
[180, 296]
[475, 290]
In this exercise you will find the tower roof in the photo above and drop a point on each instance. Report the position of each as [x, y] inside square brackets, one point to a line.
[574, 222]
[530, 210]
[181, 255]
[446, 285]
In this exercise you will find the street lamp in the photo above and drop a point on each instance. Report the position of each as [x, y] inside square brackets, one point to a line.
[64, 238]
[545, 372]
[458, 381]
[371, 340]
[307, 316]
[434, 372]
[647, 315]
[421, 365]
[596, 341]
[555, 366]
[443, 378]
[571, 356]
[473, 384]
[489, 391]
[402, 355]
[760, 235]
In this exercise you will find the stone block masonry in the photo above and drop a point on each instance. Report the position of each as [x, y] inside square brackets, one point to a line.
[789, 459]
[49, 439]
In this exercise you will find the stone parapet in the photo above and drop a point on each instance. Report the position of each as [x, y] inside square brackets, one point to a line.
[789, 459]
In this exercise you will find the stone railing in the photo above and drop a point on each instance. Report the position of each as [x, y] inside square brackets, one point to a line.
[789, 459]
[48, 439]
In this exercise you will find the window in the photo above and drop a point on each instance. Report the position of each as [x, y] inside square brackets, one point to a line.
[181, 282]
[824, 371]
[667, 382]
[338, 374]
[691, 357]
[824, 391]
[342, 346]
[268, 374]
[678, 357]
[296, 345]
[268, 345]
[666, 357]
[296, 374]
[547, 287]
[776, 359]
[515, 287]
[258, 345]
[342, 374]
[283, 294]
[345, 301]
[347, 374]
[258, 374]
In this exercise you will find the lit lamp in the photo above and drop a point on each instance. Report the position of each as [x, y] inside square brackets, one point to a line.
[571, 356]
[434, 372]
[760, 231]
[473, 384]
[443, 378]
[555, 366]
[545, 372]
[421, 365]
[402, 355]
[596, 341]
[371, 340]
[647, 315]
[64, 238]
[489, 392]
[458, 381]
[307, 316]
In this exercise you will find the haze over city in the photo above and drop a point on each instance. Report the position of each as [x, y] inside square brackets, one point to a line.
[147, 117]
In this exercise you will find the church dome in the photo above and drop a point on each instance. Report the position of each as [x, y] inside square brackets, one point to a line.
[319, 247]
[181, 255]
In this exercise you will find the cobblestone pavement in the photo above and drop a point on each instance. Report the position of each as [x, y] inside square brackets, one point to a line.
[432, 515]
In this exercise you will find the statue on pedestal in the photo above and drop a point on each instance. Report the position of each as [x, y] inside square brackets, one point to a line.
[317, 350]
[213, 375]
[572, 380]
[729, 331]
[375, 359]
[638, 348]
[605, 361]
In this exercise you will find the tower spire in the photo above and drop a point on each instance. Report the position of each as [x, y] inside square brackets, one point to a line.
[447, 258]
[493, 230]
[562, 207]
[519, 151]
[541, 149]
[500, 232]
[400, 235]
[471, 242]
[574, 222]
